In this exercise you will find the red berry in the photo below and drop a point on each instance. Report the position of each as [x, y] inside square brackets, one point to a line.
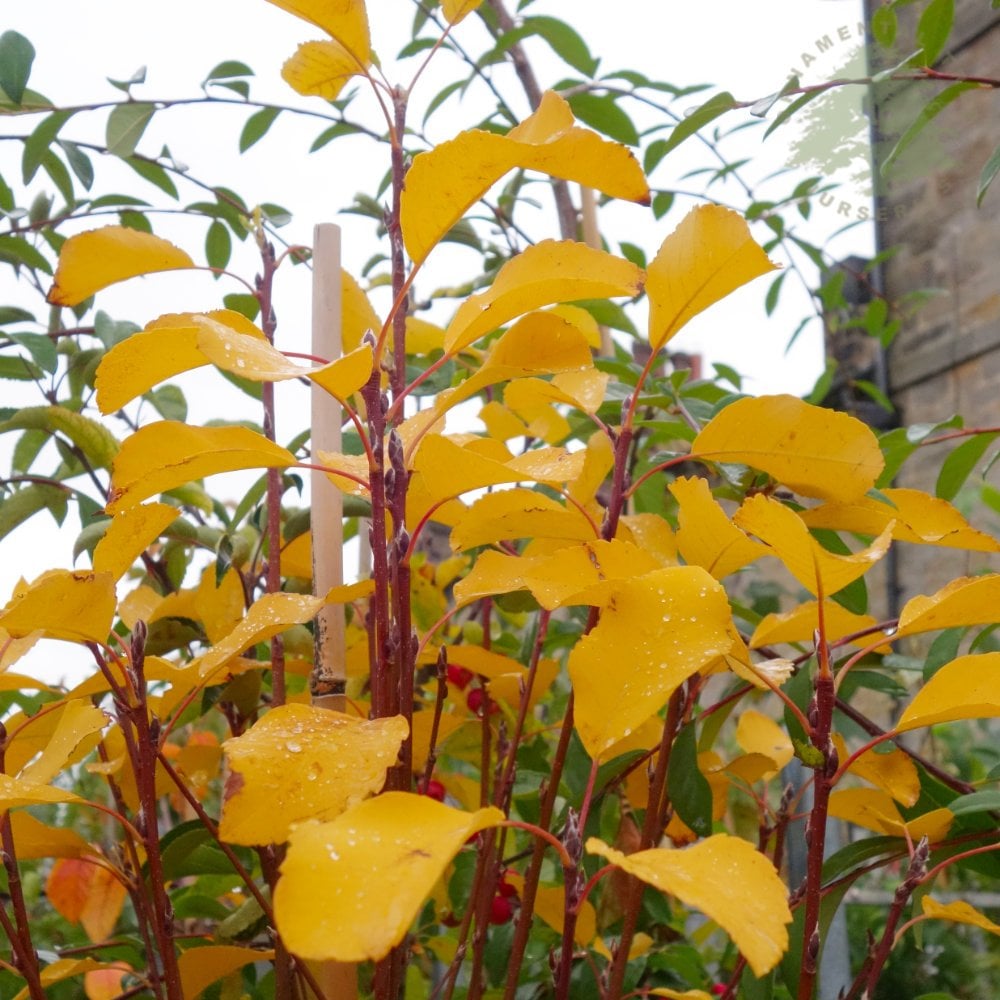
[501, 910]
[475, 700]
[459, 676]
[719, 989]
[506, 890]
[435, 790]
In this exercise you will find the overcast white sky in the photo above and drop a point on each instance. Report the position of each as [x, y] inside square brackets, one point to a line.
[748, 48]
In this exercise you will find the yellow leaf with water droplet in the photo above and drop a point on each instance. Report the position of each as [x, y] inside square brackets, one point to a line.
[518, 513]
[200, 967]
[916, 517]
[815, 451]
[93, 260]
[167, 454]
[965, 688]
[757, 733]
[876, 810]
[710, 254]
[80, 722]
[654, 632]
[800, 624]
[958, 912]
[344, 20]
[130, 533]
[729, 881]
[77, 606]
[268, 615]
[548, 272]
[16, 793]
[706, 536]
[443, 183]
[892, 772]
[817, 569]
[302, 763]
[349, 890]
[969, 600]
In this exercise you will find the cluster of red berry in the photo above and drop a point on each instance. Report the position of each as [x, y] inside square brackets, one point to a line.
[476, 698]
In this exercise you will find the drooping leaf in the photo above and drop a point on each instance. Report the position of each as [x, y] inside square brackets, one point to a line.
[96, 442]
[35, 839]
[78, 722]
[129, 534]
[16, 57]
[15, 793]
[75, 606]
[893, 772]
[800, 624]
[344, 20]
[966, 688]
[85, 892]
[710, 254]
[728, 880]
[200, 967]
[814, 451]
[958, 912]
[350, 889]
[757, 733]
[302, 763]
[876, 810]
[93, 260]
[167, 454]
[969, 600]
[445, 182]
[548, 272]
[660, 628]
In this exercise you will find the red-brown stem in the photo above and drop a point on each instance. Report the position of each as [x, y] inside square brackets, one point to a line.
[442, 693]
[284, 976]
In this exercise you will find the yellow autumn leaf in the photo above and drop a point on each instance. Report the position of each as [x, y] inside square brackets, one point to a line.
[917, 516]
[455, 10]
[77, 606]
[545, 273]
[757, 733]
[200, 967]
[357, 316]
[813, 450]
[729, 881]
[969, 600]
[965, 688]
[78, 720]
[129, 534]
[800, 624]
[958, 912]
[550, 905]
[893, 772]
[706, 536]
[16, 793]
[710, 254]
[93, 260]
[69, 968]
[443, 183]
[518, 513]
[13, 648]
[344, 20]
[35, 839]
[302, 763]
[681, 995]
[876, 810]
[785, 534]
[320, 69]
[421, 725]
[350, 889]
[654, 632]
[268, 615]
[167, 454]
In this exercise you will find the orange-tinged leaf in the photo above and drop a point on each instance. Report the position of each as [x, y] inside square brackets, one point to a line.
[344, 20]
[875, 810]
[969, 600]
[710, 254]
[349, 890]
[167, 454]
[518, 513]
[93, 260]
[200, 967]
[729, 881]
[86, 893]
[16, 793]
[77, 606]
[35, 839]
[917, 516]
[757, 733]
[301, 763]
[320, 69]
[958, 912]
[78, 721]
[655, 631]
[543, 274]
[966, 688]
[268, 615]
[443, 183]
[706, 536]
[893, 772]
[130, 533]
[800, 624]
[106, 983]
[815, 451]
[817, 569]
[69, 968]
[455, 10]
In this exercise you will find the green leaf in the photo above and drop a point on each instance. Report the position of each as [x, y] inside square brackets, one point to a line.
[565, 42]
[18, 368]
[17, 250]
[93, 439]
[126, 123]
[976, 802]
[689, 789]
[139, 76]
[152, 172]
[245, 304]
[795, 106]
[931, 110]
[17, 507]
[16, 56]
[79, 162]
[256, 127]
[662, 203]
[604, 115]
[934, 28]
[36, 146]
[713, 108]
[41, 348]
[942, 650]
[169, 402]
[990, 170]
[227, 70]
[957, 467]
[218, 246]
[884, 25]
